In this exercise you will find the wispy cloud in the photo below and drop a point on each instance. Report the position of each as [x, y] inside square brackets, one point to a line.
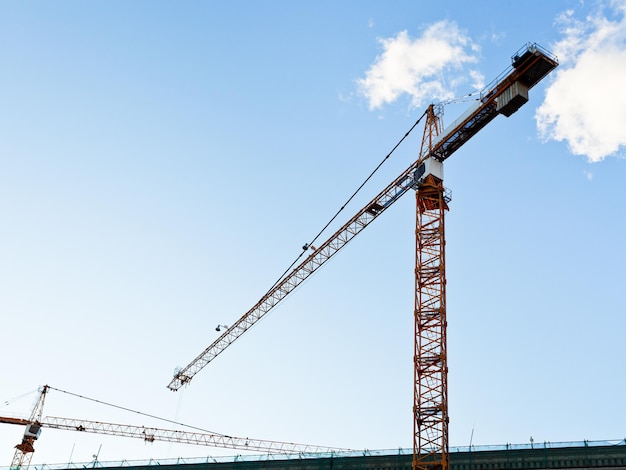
[417, 66]
[585, 106]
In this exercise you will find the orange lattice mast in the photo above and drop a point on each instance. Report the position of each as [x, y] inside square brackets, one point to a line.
[430, 408]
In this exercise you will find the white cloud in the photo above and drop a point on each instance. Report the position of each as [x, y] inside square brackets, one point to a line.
[498, 37]
[585, 106]
[416, 67]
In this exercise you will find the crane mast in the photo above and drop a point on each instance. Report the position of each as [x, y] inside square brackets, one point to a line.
[430, 392]
[505, 95]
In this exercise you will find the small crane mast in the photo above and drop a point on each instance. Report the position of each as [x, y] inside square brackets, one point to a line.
[24, 450]
[505, 95]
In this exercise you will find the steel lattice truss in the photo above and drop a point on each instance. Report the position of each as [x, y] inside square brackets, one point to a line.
[151, 434]
[300, 273]
[430, 444]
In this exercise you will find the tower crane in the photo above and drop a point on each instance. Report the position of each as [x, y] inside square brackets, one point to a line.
[33, 426]
[505, 95]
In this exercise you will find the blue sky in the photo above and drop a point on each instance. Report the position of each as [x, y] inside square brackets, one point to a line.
[162, 163]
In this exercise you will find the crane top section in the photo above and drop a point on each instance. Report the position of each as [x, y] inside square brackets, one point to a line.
[504, 95]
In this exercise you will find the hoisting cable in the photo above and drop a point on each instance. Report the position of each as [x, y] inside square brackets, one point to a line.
[462, 99]
[13, 400]
[307, 245]
[139, 412]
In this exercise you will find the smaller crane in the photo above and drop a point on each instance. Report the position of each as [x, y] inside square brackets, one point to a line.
[24, 450]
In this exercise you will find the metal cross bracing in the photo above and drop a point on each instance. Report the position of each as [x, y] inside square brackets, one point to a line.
[505, 95]
[430, 400]
[430, 410]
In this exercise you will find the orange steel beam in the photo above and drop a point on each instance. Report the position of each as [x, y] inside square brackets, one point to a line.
[430, 410]
[430, 390]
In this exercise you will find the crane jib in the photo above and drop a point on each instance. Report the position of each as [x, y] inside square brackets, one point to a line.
[505, 95]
